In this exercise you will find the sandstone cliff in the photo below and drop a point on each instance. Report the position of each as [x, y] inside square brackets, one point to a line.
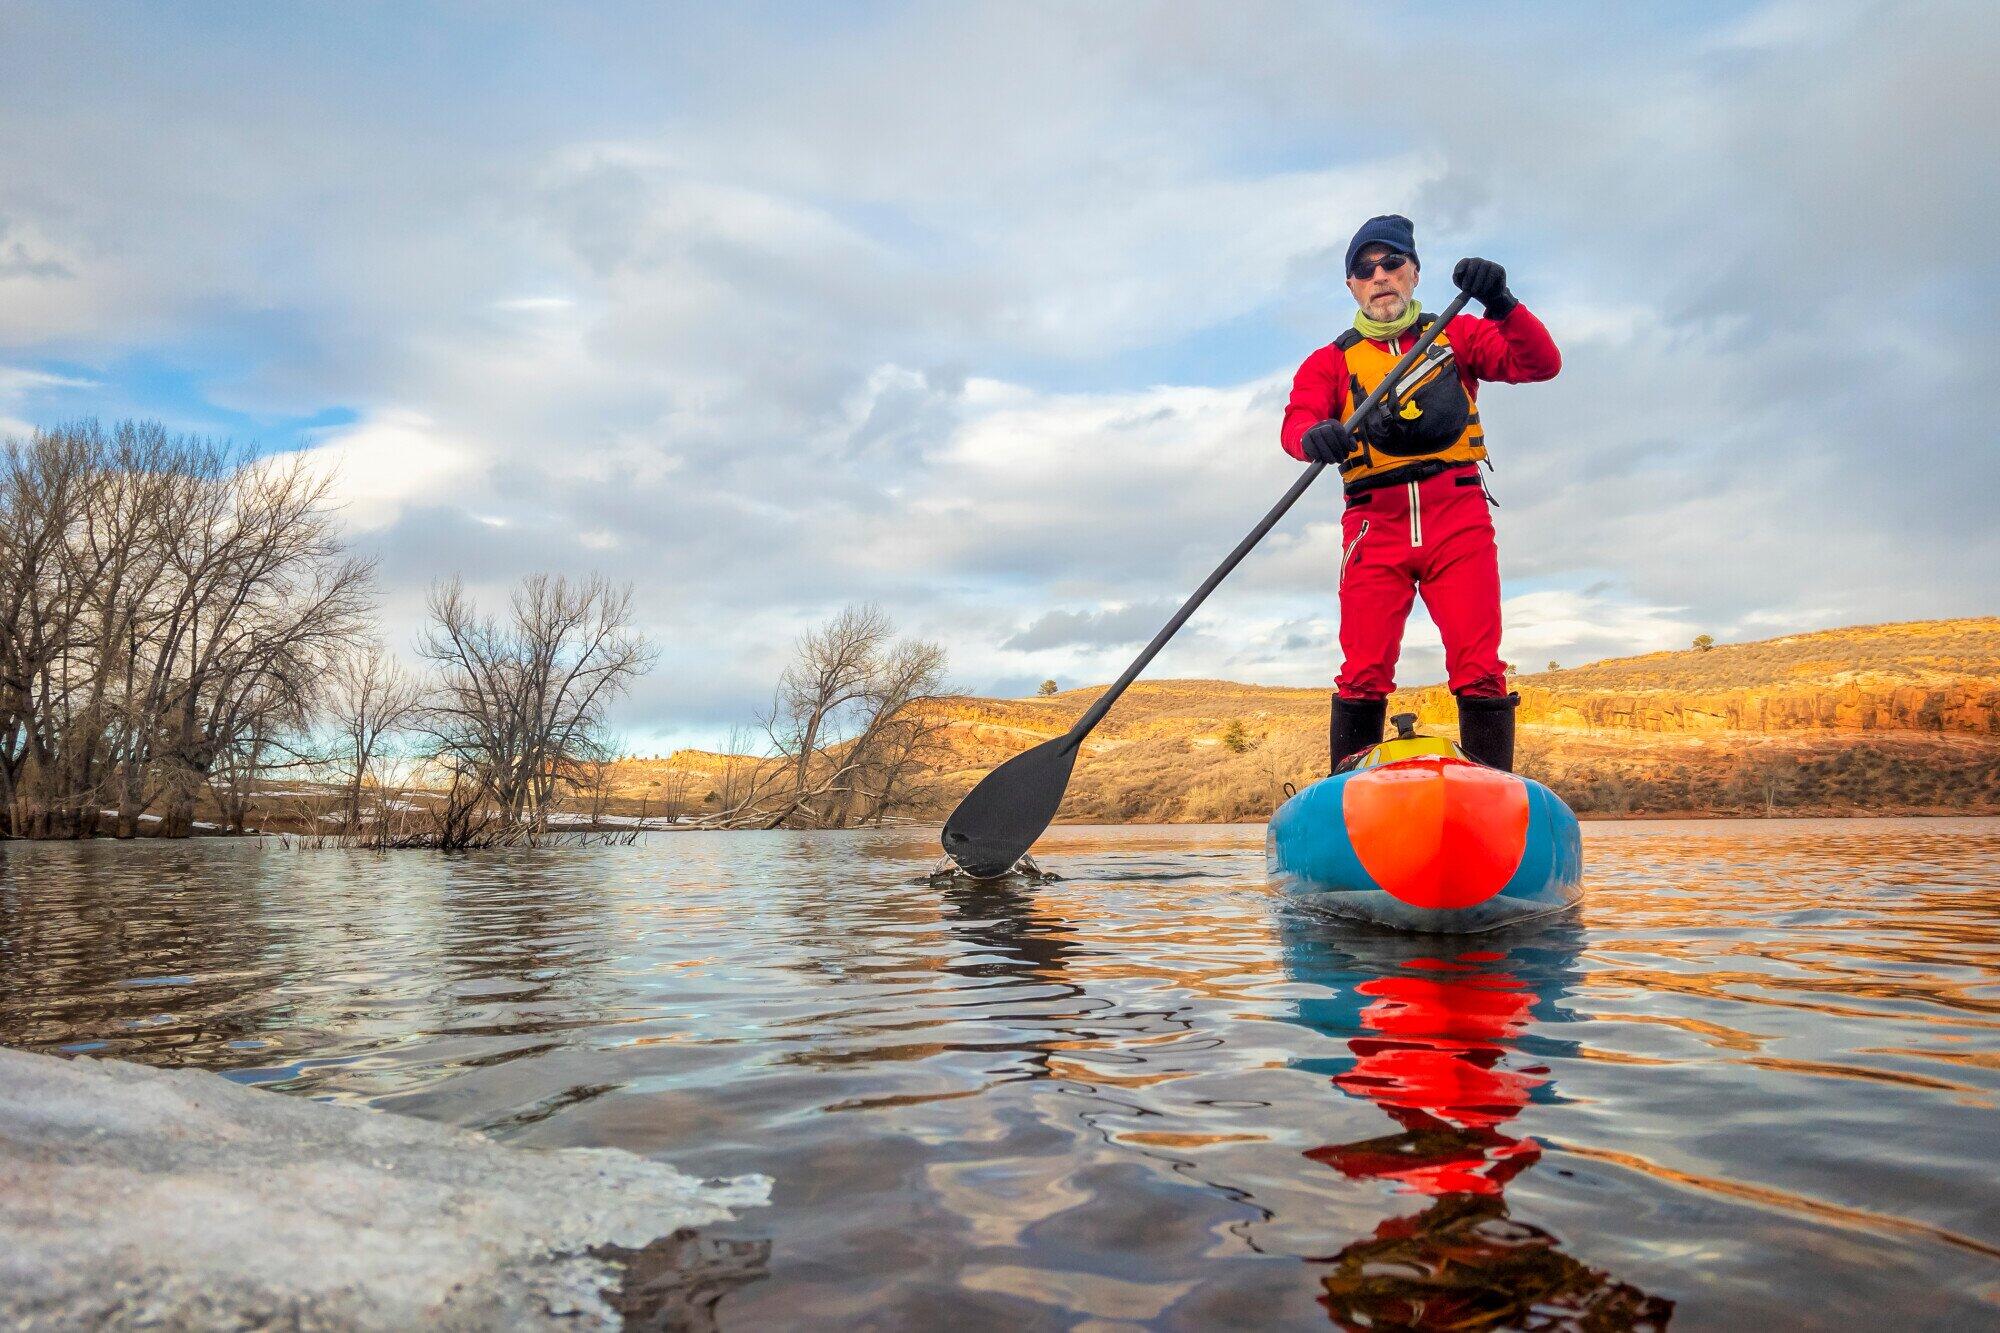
[1879, 718]
[1873, 719]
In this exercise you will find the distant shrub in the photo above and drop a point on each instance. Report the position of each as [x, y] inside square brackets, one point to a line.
[1046, 688]
[1704, 642]
[1234, 737]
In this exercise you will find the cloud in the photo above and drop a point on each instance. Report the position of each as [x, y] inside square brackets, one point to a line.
[17, 380]
[381, 467]
[1560, 623]
[20, 385]
[1096, 629]
[535, 304]
[988, 314]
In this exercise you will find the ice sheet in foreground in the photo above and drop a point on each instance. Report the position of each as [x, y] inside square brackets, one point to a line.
[136, 1196]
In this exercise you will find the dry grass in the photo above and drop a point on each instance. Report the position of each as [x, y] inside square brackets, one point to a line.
[1920, 652]
[1874, 719]
[1878, 719]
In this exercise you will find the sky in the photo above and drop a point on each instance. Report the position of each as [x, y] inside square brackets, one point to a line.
[986, 314]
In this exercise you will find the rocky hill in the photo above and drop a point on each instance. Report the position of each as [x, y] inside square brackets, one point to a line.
[1877, 719]
[1872, 719]
[1925, 676]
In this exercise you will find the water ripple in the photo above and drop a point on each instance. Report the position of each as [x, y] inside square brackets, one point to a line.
[1753, 1081]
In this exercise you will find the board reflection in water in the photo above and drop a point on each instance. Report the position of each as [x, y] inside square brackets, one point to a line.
[1435, 1034]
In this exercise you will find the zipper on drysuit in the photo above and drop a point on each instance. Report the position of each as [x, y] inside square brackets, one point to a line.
[1427, 367]
[1347, 556]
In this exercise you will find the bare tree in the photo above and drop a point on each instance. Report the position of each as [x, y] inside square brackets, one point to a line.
[42, 504]
[177, 618]
[673, 793]
[264, 738]
[898, 737]
[738, 772]
[831, 676]
[267, 602]
[131, 536]
[594, 781]
[844, 727]
[519, 705]
[166, 611]
[369, 697]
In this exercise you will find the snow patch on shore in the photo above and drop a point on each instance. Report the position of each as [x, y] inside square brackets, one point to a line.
[158, 1197]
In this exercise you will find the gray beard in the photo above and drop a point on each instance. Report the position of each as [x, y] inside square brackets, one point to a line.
[1394, 313]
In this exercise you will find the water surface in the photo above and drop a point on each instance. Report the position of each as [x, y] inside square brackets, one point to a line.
[1752, 1084]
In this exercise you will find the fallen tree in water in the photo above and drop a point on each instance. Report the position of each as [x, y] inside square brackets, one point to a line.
[849, 742]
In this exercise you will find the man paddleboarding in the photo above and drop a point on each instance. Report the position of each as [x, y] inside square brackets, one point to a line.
[1417, 514]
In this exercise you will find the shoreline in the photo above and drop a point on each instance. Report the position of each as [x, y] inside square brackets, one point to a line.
[576, 837]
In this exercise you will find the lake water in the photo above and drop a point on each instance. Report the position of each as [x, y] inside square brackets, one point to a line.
[1752, 1085]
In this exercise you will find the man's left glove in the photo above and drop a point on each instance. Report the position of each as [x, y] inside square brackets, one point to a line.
[1329, 442]
[1485, 282]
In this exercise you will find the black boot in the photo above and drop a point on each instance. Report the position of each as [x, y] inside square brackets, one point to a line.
[1357, 724]
[1486, 729]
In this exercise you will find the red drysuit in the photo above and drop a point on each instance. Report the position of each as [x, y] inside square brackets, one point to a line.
[1433, 535]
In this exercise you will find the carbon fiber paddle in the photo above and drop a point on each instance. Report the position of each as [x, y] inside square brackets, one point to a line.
[999, 819]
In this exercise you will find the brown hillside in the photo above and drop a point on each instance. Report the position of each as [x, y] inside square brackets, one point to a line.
[1935, 676]
[1873, 719]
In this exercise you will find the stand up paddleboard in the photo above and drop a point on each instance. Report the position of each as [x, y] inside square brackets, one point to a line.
[1414, 835]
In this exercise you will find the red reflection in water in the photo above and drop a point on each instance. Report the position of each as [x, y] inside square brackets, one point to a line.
[1436, 1069]
[1435, 1059]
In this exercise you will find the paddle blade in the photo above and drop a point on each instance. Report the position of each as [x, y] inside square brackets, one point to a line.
[1000, 818]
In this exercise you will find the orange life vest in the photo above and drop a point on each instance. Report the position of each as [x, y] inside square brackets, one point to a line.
[1440, 422]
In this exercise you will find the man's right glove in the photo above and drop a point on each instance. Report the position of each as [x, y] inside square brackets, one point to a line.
[1329, 442]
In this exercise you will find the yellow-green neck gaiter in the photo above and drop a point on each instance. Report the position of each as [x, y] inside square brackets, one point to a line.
[1383, 330]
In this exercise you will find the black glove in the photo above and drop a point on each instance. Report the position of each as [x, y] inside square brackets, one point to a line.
[1328, 442]
[1485, 282]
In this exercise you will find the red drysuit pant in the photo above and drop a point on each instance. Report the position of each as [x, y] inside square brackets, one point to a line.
[1433, 536]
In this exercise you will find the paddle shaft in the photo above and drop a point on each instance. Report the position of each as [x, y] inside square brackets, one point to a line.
[1096, 712]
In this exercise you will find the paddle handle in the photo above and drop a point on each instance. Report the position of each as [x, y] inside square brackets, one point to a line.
[1096, 712]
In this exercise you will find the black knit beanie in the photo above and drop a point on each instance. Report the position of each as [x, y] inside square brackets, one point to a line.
[1391, 229]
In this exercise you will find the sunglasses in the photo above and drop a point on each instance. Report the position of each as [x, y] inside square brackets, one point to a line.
[1389, 263]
